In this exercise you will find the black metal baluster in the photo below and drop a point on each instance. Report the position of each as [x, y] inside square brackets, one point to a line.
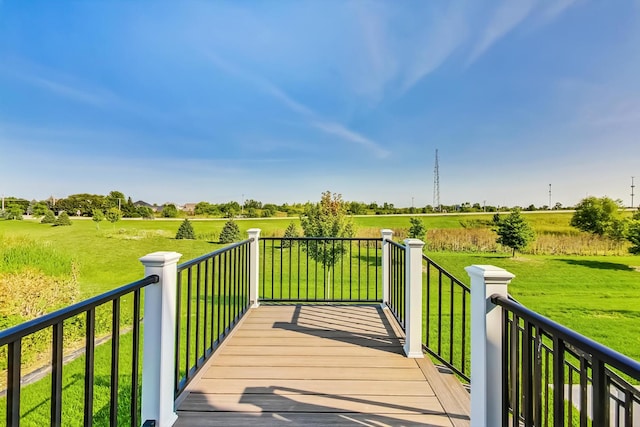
[56, 374]
[600, 392]
[14, 360]
[558, 382]
[187, 355]
[89, 366]
[196, 353]
[135, 359]
[115, 352]
[451, 314]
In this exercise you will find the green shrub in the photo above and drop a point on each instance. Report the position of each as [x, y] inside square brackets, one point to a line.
[48, 218]
[230, 232]
[14, 212]
[186, 231]
[290, 232]
[63, 219]
[417, 229]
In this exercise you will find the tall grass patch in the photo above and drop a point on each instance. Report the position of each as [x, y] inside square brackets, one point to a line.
[18, 253]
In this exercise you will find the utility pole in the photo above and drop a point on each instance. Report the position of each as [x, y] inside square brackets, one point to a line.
[632, 194]
[549, 196]
[436, 185]
[412, 205]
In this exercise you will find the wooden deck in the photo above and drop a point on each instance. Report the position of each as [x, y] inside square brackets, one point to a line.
[320, 365]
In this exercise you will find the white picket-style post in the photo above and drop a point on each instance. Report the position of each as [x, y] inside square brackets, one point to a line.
[158, 359]
[387, 235]
[486, 344]
[254, 266]
[413, 298]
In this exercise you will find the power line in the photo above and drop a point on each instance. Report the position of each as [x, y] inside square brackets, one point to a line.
[436, 185]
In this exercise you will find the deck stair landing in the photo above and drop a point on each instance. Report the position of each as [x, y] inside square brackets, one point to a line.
[319, 365]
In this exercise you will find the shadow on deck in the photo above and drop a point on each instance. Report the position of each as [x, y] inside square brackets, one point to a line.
[317, 365]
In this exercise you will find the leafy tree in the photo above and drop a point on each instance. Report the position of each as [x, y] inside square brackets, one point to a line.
[231, 209]
[14, 212]
[291, 231]
[129, 210]
[115, 199]
[84, 202]
[63, 219]
[417, 229]
[185, 231]
[113, 215]
[48, 218]
[97, 216]
[250, 203]
[203, 208]
[595, 215]
[513, 231]
[145, 212]
[633, 236]
[170, 211]
[617, 230]
[16, 201]
[268, 212]
[326, 219]
[39, 209]
[230, 232]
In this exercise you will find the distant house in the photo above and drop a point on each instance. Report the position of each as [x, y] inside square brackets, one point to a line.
[153, 207]
[189, 208]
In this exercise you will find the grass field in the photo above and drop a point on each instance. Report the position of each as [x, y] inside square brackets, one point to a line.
[598, 296]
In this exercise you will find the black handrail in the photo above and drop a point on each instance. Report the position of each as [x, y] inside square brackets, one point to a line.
[34, 325]
[320, 269]
[397, 282]
[210, 255]
[12, 338]
[538, 354]
[617, 360]
[212, 296]
[449, 343]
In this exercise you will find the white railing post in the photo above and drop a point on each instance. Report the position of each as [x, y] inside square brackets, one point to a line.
[413, 298]
[158, 358]
[386, 265]
[486, 344]
[254, 266]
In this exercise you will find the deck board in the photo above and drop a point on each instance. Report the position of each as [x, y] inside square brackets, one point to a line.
[310, 366]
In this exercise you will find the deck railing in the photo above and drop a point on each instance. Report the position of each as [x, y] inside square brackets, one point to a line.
[397, 282]
[320, 269]
[447, 328]
[13, 337]
[446, 310]
[553, 376]
[212, 296]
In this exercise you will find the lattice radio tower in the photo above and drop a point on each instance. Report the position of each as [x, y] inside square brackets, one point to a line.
[436, 185]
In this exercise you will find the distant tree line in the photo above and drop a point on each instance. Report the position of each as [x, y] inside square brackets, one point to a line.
[85, 204]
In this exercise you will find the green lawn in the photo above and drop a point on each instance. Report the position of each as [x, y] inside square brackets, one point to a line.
[598, 296]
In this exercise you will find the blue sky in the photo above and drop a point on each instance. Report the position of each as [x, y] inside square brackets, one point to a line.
[279, 101]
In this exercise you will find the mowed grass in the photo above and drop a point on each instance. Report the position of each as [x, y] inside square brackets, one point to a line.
[599, 296]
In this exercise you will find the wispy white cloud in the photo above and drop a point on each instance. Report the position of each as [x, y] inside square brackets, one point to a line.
[311, 117]
[507, 17]
[59, 84]
[434, 45]
[556, 8]
[342, 132]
